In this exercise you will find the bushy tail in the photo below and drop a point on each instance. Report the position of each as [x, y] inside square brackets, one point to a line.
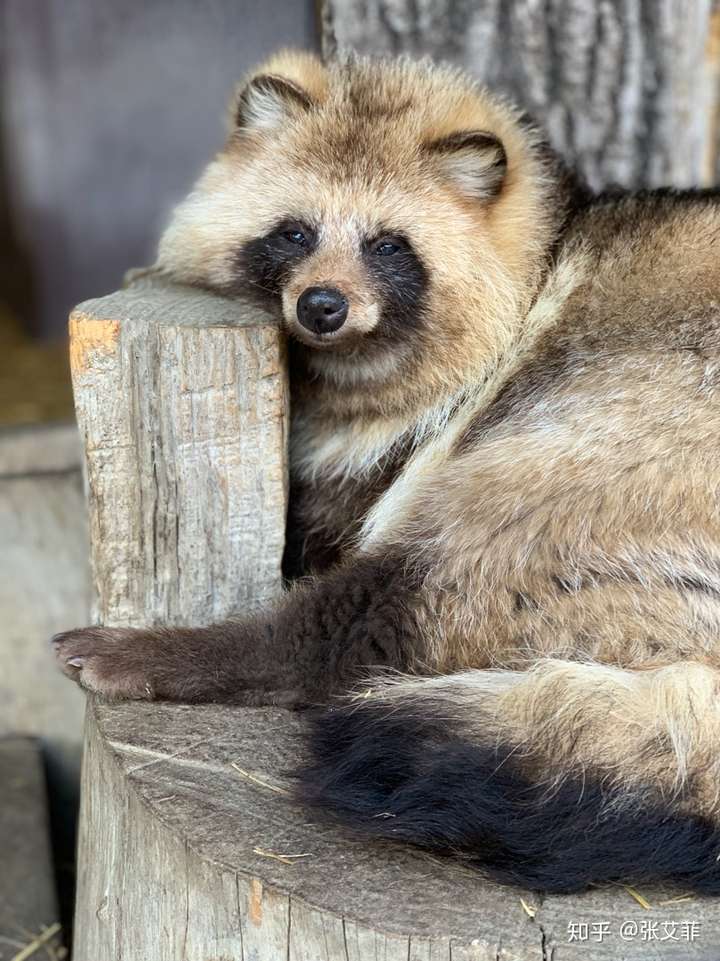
[555, 779]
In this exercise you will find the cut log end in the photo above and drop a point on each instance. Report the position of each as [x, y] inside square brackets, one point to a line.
[193, 824]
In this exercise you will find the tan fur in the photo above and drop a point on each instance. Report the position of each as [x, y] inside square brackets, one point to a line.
[556, 440]
[504, 244]
[629, 727]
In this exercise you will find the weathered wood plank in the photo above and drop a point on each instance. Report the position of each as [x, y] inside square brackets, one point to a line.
[44, 587]
[40, 449]
[44, 582]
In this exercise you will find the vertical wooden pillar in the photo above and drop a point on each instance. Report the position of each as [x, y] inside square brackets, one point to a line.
[182, 405]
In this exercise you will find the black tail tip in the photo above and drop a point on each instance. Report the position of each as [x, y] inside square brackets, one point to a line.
[403, 773]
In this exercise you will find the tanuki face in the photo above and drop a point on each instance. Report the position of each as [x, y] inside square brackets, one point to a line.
[387, 209]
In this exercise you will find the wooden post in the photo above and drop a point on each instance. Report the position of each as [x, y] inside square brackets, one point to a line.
[181, 400]
[190, 849]
[182, 405]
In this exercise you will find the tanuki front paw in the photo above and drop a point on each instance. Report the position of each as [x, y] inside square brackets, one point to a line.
[113, 662]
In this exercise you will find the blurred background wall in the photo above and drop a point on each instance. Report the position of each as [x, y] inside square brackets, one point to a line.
[109, 110]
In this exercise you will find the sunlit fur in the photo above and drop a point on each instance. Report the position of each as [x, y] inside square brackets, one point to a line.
[516, 500]
[357, 164]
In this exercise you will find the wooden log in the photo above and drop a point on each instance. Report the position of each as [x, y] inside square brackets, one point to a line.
[182, 404]
[190, 848]
[181, 400]
[628, 91]
[197, 855]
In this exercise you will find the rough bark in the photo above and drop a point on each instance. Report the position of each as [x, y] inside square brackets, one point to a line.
[628, 90]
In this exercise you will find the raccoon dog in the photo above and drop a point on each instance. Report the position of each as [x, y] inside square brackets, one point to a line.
[505, 479]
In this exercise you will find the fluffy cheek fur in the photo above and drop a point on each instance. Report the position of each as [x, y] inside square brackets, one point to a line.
[201, 242]
[454, 294]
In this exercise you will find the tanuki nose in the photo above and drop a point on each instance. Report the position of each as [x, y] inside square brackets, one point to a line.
[322, 309]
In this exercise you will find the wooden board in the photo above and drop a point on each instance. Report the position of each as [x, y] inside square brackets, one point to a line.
[44, 588]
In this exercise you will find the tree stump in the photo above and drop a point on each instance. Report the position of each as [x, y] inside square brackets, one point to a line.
[190, 847]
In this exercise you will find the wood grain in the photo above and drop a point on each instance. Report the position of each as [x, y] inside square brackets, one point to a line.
[182, 403]
[182, 846]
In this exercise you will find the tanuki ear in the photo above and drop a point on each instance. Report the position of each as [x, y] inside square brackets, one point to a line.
[474, 160]
[268, 101]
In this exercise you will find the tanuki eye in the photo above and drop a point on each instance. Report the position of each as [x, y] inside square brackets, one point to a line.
[295, 237]
[388, 246]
